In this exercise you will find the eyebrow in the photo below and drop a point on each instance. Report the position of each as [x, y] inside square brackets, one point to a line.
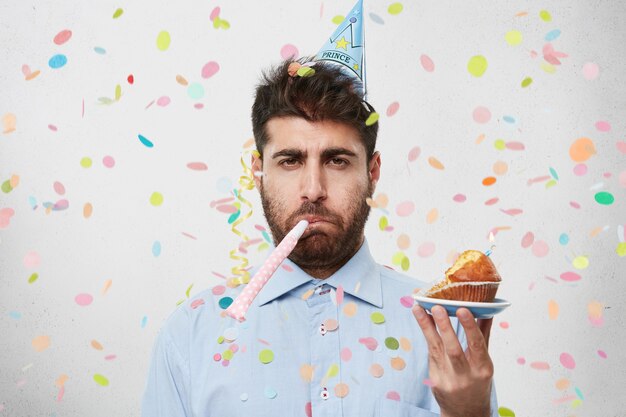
[326, 153]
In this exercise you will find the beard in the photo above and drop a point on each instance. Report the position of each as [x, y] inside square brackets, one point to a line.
[320, 250]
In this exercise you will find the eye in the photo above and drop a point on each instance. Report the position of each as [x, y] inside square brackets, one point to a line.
[338, 162]
[290, 162]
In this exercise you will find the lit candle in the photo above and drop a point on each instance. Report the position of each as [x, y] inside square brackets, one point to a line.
[491, 239]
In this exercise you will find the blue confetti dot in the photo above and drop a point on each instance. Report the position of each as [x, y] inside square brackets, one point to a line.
[377, 19]
[144, 321]
[270, 392]
[195, 91]
[564, 239]
[266, 236]
[508, 119]
[225, 302]
[145, 141]
[32, 201]
[156, 248]
[99, 50]
[554, 174]
[579, 393]
[234, 216]
[552, 35]
[57, 61]
[15, 315]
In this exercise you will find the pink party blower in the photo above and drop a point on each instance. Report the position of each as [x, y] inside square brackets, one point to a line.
[239, 307]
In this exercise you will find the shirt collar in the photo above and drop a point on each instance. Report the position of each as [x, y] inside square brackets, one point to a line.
[359, 277]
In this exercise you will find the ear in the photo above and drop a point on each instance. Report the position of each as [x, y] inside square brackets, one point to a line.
[256, 164]
[373, 168]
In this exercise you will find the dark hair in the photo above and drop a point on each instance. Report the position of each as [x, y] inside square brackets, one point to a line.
[329, 94]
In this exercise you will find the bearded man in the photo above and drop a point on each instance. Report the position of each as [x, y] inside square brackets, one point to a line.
[332, 333]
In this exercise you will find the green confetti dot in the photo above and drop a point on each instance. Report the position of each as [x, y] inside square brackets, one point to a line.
[305, 72]
[163, 40]
[604, 198]
[527, 81]
[101, 380]
[6, 186]
[338, 19]
[550, 183]
[395, 8]
[33, 278]
[220, 340]
[266, 356]
[513, 37]
[392, 343]
[228, 354]
[545, 16]
[377, 317]
[118, 92]
[383, 223]
[499, 144]
[505, 412]
[195, 91]
[156, 199]
[372, 118]
[85, 162]
[477, 65]
[405, 264]
[117, 13]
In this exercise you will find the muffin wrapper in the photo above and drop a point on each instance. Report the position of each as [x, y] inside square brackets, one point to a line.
[466, 291]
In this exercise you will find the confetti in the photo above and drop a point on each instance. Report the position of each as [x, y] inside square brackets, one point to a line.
[9, 121]
[289, 51]
[590, 71]
[481, 115]
[118, 13]
[57, 61]
[513, 37]
[156, 199]
[62, 37]
[371, 119]
[83, 299]
[477, 65]
[395, 8]
[101, 380]
[41, 343]
[163, 40]
[147, 143]
[427, 63]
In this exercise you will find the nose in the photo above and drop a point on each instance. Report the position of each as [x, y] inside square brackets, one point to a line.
[313, 184]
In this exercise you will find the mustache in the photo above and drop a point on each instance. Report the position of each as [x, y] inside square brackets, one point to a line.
[314, 210]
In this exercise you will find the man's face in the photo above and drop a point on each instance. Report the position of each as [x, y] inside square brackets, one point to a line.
[316, 171]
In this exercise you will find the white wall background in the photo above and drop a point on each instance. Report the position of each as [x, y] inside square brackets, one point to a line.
[59, 120]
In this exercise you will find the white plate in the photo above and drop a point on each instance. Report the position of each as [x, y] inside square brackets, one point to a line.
[479, 310]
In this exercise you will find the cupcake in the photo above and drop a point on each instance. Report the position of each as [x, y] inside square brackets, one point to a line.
[473, 277]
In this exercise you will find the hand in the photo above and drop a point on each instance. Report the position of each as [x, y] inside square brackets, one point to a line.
[461, 381]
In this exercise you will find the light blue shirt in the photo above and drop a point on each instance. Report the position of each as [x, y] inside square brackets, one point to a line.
[288, 359]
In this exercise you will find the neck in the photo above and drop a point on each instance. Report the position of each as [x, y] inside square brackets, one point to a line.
[323, 272]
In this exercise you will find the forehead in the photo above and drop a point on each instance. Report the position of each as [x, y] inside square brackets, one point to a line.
[312, 137]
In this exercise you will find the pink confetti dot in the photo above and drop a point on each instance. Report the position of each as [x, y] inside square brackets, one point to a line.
[570, 276]
[369, 342]
[521, 360]
[234, 348]
[492, 201]
[481, 115]
[591, 70]
[602, 354]
[405, 208]
[621, 146]
[427, 63]
[345, 354]
[528, 239]
[540, 248]
[308, 409]
[567, 360]
[540, 366]
[622, 179]
[83, 299]
[198, 106]
[504, 325]
[58, 188]
[414, 153]
[217, 357]
[110, 357]
[214, 13]
[574, 204]
[289, 51]
[52, 127]
[108, 161]
[407, 301]
[163, 101]
[580, 169]
[197, 166]
[459, 198]
[32, 260]
[62, 37]
[426, 249]
[210, 69]
[603, 126]
[393, 108]
[197, 303]
[393, 395]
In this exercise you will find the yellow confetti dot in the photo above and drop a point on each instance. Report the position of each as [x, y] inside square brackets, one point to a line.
[547, 67]
[101, 380]
[477, 65]
[545, 16]
[377, 317]
[621, 249]
[118, 13]
[513, 37]
[527, 81]
[163, 40]
[266, 356]
[397, 258]
[156, 199]
[581, 262]
[371, 119]
[338, 19]
[499, 144]
[305, 72]
[435, 163]
[333, 371]
[405, 264]
[33, 278]
[118, 92]
[383, 223]
[395, 8]
[85, 162]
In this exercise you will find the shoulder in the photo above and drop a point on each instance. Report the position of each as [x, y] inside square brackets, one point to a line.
[390, 278]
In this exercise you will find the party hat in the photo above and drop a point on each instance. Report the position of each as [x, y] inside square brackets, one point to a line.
[346, 45]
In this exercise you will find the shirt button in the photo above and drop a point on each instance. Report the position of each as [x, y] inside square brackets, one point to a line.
[322, 329]
[324, 394]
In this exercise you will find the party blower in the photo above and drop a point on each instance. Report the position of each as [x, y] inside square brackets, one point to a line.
[239, 307]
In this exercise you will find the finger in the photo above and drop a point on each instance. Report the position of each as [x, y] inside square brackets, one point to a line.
[476, 343]
[485, 328]
[454, 350]
[435, 345]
